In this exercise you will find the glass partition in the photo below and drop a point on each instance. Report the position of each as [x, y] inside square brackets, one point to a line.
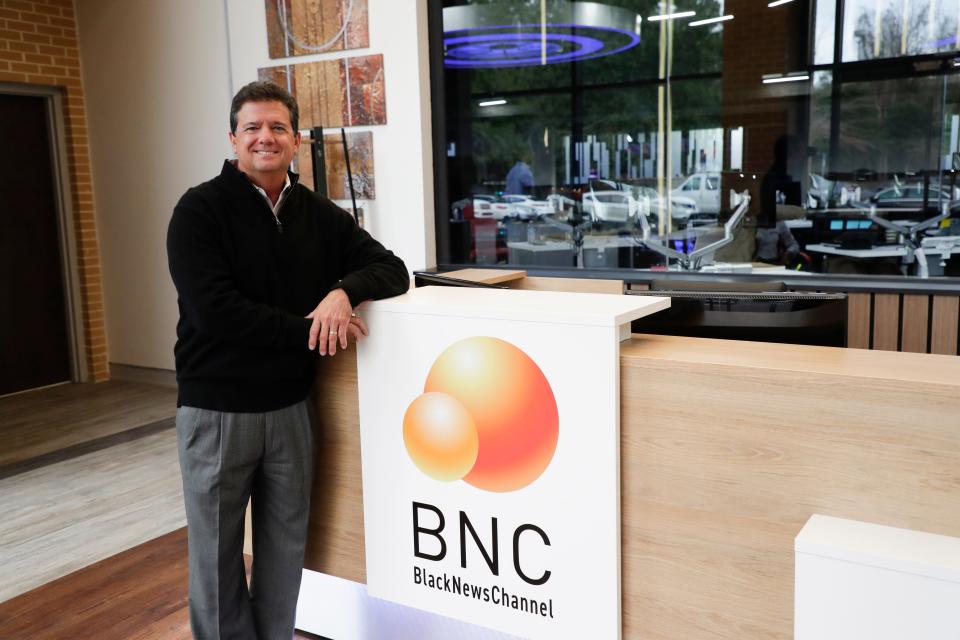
[743, 135]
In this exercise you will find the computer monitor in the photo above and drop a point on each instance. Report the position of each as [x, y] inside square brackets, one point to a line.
[793, 317]
[848, 230]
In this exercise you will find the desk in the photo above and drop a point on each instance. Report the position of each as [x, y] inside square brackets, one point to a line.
[889, 251]
[944, 246]
[726, 449]
[935, 249]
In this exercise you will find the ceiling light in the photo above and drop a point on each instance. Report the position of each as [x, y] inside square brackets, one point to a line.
[777, 3]
[672, 16]
[793, 76]
[698, 23]
[478, 36]
[492, 103]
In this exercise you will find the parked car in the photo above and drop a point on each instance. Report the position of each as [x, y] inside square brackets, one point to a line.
[703, 189]
[612, 206]
[681, 207]
[485, 206]
[910, 196]
[526, 207]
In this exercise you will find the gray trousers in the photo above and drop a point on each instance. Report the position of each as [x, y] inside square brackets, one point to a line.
[226, 459]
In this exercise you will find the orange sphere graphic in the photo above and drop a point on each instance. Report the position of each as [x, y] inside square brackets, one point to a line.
[511, 404]
[440, 436]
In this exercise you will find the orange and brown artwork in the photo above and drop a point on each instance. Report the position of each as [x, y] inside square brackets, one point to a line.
[304, 27]
[360, 146]
[335, 93]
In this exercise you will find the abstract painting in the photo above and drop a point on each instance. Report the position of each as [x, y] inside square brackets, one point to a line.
[360, 146]
[304, 27]
[335, 93]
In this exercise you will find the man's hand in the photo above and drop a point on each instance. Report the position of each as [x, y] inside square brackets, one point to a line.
[333, 320]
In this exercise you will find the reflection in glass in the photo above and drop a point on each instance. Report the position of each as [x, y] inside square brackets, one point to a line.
[569, 153]
[824, 31]
[891, 126]
[890, 28]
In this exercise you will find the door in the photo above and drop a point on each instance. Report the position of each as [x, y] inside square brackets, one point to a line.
[34, 342]
[711, 198]
[691, 189]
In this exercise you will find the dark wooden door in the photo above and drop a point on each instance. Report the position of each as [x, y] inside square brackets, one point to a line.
[34, 346]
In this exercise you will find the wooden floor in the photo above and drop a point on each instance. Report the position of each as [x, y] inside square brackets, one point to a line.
[92, 538]
[40, 422]
[140, 594]
[86, 471]
[60, 517]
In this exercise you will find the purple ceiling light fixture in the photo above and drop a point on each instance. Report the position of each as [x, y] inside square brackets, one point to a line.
[475, 36]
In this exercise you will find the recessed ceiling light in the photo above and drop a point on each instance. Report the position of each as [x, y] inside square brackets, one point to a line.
[672, 16]
[698, 23]
[796, 76]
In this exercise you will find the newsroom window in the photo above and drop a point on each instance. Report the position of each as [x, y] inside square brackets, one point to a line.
[810, 135]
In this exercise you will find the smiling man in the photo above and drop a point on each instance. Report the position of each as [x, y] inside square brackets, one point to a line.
[268, 275]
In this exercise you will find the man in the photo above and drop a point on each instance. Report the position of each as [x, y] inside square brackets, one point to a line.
[268, 274]
[519, 179]
[776, 245]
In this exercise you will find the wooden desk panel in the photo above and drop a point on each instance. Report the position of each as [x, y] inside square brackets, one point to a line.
[335, 545]
[726, 450]
[487, 276]
[724, 461]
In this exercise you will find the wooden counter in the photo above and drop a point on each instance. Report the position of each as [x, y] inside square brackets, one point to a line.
[726, 449]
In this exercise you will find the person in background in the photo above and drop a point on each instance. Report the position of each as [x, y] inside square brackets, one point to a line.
[776, 245]
[268, 275]
[519, 178]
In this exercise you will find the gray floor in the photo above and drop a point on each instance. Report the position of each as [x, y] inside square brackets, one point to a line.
[64, 516]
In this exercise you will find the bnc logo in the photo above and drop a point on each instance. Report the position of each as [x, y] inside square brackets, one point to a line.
[487, 416]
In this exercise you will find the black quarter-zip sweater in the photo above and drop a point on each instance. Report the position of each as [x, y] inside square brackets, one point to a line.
[245, 280]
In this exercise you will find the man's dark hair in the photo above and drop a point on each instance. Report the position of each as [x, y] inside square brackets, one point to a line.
[264, 92]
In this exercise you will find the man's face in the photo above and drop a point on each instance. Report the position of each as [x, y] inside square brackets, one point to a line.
[265, 141]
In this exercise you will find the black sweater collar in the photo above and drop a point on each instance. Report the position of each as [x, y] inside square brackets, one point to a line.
[232, 174]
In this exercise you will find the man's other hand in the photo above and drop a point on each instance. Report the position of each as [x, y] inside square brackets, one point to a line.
[333, 321]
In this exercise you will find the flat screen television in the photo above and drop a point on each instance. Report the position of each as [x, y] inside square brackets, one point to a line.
[792, 317]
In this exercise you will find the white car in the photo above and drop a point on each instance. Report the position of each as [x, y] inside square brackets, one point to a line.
[703, 189]
[681, 207]
[613, 206]
[527, 207]
[488, 207]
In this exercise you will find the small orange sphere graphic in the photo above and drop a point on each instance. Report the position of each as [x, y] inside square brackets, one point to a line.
[440, 436]
[511, 403]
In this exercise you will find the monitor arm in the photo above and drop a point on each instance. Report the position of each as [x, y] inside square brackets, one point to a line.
[693, 261]
[912, 234]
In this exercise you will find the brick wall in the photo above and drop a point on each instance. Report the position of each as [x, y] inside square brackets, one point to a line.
[761, 40]
[38, 45]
